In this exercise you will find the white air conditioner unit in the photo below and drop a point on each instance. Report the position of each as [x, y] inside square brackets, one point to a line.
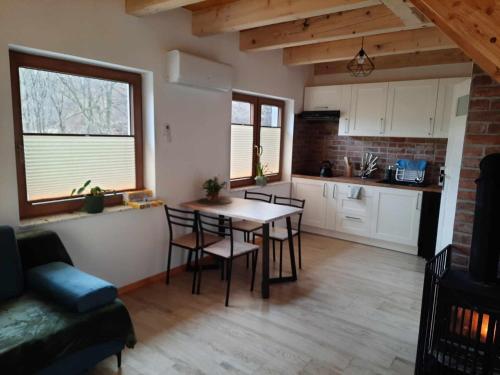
[188, 70]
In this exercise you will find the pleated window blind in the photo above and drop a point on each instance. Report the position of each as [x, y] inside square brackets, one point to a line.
[73, 128]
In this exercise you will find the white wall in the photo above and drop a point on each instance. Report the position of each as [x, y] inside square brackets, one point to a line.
[128, 246]
[400, 74]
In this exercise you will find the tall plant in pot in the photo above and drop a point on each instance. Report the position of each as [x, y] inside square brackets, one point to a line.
[260, 170]
[94, 200]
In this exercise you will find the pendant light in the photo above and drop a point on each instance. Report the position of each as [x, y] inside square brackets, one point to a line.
[361, 65]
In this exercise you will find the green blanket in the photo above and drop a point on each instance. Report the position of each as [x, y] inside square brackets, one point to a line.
[35, 332]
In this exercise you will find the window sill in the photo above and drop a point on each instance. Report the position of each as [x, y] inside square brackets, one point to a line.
[50, 219]
[257, 187]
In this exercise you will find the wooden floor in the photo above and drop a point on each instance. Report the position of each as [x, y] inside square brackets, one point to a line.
[354, 310]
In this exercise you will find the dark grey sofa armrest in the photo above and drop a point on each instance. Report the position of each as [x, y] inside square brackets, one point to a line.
[41, 247]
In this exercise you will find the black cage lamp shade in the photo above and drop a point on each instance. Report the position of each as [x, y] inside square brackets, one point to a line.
[361, 65]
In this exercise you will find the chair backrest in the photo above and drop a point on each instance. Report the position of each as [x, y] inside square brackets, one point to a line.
[217, 225]
[252, 195]
[292, 202]
[180, 218]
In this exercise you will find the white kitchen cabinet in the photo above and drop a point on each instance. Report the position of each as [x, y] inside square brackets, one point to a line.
[315, 193]
[323, 98]
[368, 108]
[345, 110]
[331, 205]
[397, 216]
[353, 216]
[411, 108]
[445, 105]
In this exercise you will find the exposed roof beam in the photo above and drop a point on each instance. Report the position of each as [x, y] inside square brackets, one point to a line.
[427, 39]
[410, 16]
[472, 25]
[146, 7]
[447, 56]
[344, 25]
[245, 14]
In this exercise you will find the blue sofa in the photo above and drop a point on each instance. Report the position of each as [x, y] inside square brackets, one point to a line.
[54, 319]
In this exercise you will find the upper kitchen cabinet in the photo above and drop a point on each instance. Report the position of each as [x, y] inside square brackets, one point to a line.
[417, 109]
[444, 107]
[322, 98]
[368, 108]
[411, 108]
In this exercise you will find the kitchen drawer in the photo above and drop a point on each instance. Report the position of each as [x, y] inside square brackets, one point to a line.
[353, 224]
[365, 190]
[362, 206]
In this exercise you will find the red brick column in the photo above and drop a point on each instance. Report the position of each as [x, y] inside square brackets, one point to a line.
[482, 137]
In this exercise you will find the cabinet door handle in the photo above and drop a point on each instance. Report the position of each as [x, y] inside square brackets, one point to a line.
[418, 202]
[324, 190]
[346, 125]
[333, 193]
[353, 218]
[321, 107]
[431, 127]
[382, 127]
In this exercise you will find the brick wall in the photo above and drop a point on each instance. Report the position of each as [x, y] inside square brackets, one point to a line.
[317, 141]
[482, 137]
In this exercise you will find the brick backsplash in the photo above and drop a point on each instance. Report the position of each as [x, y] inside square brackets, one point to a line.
[314, 142]
[482, 137]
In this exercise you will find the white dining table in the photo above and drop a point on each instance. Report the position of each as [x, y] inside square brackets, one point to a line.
[260, 212]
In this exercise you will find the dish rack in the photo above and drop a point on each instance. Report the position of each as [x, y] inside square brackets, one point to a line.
[409, 175]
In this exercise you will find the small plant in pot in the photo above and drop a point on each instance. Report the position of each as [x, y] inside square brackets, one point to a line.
[94, 201]
[212, 188]
[260, 170]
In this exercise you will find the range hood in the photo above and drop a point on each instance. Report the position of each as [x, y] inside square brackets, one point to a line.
[320, 115]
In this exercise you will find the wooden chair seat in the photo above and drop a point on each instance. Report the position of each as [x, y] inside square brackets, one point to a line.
[278, 233]
[246, 225]
[188, 241]
[223, 248]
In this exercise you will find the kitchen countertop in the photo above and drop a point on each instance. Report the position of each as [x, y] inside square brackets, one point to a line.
[372, 182]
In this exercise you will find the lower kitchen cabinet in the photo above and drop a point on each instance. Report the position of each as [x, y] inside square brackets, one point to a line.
[384, 217]
[397, 216]
[315, 194]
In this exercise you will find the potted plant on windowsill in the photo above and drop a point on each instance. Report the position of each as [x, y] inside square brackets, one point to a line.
[94, 201]
[212, 188]
[260, 170]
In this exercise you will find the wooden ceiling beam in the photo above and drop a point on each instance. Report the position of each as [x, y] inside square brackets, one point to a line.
[343, 25]
[439, 57]
[427, 39]
[410, 16]
[247, 14]
[146, 7]
[472, 24]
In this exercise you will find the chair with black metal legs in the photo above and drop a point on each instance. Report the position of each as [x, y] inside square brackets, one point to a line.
[247, 226]
[190, 241]
[227, 249]
[279, 234]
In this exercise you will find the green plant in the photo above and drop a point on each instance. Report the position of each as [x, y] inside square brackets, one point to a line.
[95, 191]
[260, 170]
[212, 186]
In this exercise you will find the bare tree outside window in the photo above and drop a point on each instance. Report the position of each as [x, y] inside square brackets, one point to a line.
[57, 103]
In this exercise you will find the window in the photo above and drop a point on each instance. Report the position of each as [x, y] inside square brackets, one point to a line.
[256, 122]
[73, 122]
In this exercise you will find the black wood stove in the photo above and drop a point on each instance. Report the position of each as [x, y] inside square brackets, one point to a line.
[460, 319]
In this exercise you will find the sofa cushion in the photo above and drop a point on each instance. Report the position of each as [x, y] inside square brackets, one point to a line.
[11, 272]
[69, 286]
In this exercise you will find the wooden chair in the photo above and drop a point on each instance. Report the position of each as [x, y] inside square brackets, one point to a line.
[247, 226]
[227, 249]
[190, 241]
[279, 234]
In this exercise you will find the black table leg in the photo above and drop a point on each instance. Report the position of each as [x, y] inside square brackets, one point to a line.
[265, 261]
[290, 244]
